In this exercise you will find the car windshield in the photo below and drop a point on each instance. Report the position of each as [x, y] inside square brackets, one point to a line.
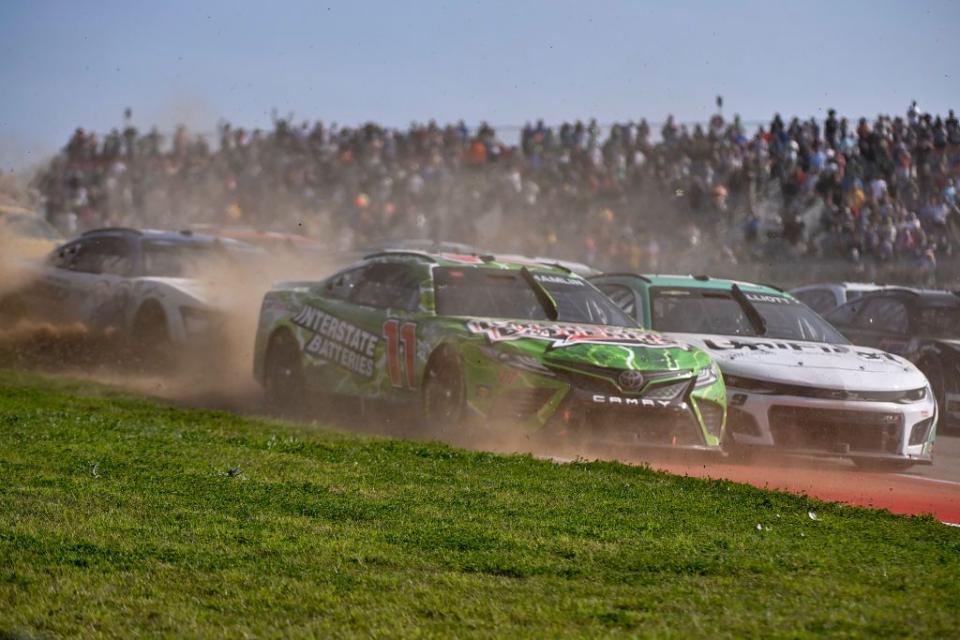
[186, 259]
[498, 293]
[680, 310]
[939, 322]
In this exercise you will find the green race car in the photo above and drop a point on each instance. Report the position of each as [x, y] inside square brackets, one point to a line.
[472, 341]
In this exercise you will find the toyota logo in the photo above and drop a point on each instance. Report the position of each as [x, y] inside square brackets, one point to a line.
[630, 380]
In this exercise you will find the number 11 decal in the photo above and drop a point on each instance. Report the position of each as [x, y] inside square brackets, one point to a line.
[407, 334]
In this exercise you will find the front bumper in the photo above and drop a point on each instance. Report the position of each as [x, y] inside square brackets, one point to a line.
[686, 424]
[824, 427]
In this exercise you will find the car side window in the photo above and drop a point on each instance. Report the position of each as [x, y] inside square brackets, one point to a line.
[102, 255]
[883, 314]
[843, 316]
[388, 285]
[340, 286]
[63, 257]
[622, 296]
[820, 300]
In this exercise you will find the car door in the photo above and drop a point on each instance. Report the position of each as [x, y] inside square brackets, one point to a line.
[98, 277]
[386, 300]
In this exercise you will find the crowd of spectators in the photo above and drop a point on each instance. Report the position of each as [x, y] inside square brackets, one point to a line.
[621, 195]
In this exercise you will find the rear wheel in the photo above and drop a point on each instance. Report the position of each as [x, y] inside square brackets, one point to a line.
[284, 375]
[444, 394]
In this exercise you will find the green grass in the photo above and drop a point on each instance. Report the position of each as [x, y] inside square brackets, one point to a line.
[121, 516]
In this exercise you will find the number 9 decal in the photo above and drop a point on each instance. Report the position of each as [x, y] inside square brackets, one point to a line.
[395, 333]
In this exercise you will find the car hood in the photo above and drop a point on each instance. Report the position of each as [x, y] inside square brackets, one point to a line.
[569, 344]
[834, 366]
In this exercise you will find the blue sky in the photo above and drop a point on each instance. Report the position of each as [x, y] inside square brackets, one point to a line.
[70, 63]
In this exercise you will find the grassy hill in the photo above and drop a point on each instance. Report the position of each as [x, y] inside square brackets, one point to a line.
[122, 516]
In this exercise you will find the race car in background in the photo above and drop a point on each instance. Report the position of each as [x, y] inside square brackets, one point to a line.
[148, 285]
[794, 383]
[467, 341]
[827, 296]
[922, 325]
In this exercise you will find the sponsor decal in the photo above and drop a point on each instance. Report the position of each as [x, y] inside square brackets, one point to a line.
[567, 335]
[785, 346]
[549, 278]
[766, 297]
[337, 341]
[636, 402]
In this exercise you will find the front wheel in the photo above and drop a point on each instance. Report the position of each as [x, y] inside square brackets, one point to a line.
[283, 376]
[444, 395]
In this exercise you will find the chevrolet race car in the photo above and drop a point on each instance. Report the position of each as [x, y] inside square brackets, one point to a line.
[465, 341]
[793, 382]
[143, 284]
[922, 325]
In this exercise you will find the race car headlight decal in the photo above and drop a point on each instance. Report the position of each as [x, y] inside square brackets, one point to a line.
[518, 361]
[914, 395]
[707, 376]
[748, 384]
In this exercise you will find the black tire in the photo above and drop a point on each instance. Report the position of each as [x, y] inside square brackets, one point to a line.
[283, 375]
[933, 370]
[151, 347]
[444, 394]
[882, 466]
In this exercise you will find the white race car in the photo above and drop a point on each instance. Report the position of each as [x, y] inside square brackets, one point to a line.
[147, 285]
[793, 381]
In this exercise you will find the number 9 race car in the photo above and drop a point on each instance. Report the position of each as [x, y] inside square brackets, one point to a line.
[794, 383]
[464, 341]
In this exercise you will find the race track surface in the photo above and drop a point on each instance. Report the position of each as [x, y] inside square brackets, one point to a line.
[933, 489]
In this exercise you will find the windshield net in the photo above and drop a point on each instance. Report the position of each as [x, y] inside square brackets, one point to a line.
[717, 313]
[498, 293]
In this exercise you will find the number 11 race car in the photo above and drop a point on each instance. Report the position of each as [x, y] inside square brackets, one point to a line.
[466, 341]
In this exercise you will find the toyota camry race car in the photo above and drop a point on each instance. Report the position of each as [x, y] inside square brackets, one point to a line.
[470, 341]
[146, 285]
[922, 325]
[793, 382]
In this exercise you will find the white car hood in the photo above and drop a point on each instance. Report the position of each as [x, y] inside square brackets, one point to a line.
[812, 364]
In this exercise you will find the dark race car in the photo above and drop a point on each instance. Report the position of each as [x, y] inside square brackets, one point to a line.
[922, 325]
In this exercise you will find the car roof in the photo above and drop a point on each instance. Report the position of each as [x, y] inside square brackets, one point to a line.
[699, 282]
[180, 237]
[471, 260]
[849, 286]
[933, 297]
